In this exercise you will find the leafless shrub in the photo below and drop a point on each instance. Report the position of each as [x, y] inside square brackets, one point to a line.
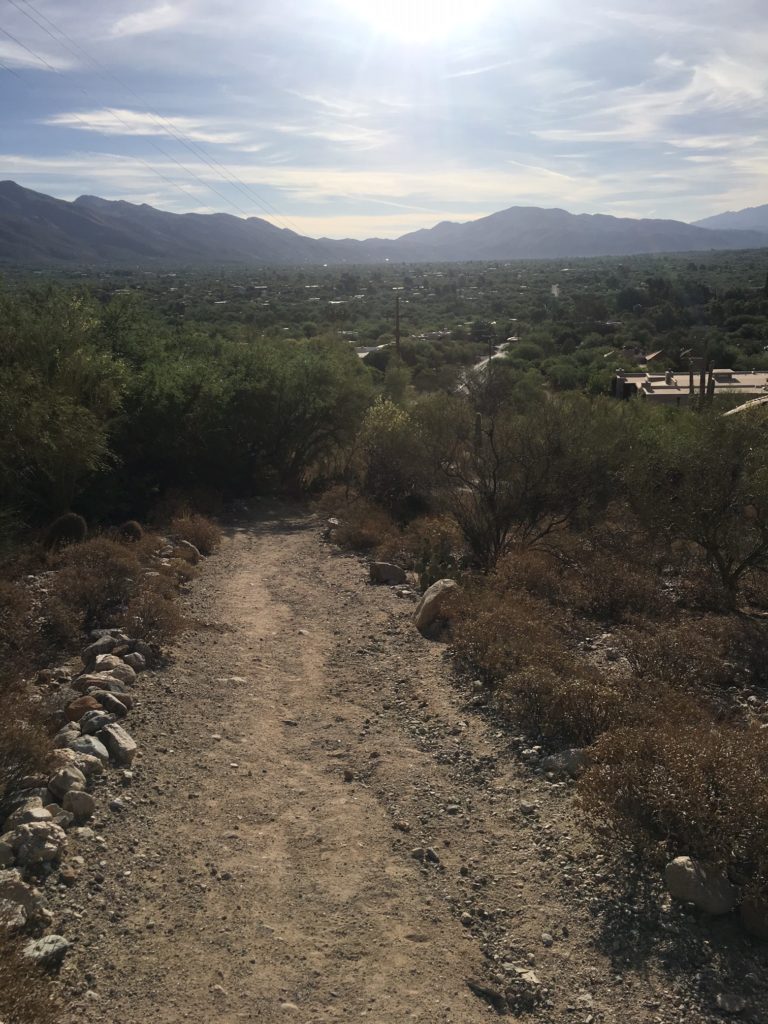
[198, 530]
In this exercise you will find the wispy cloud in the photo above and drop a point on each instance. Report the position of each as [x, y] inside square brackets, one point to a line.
[16, 56]
[154, 19]
[469, 72]
[117, 121]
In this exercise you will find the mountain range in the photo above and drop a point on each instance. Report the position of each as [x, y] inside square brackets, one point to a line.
[36, 229]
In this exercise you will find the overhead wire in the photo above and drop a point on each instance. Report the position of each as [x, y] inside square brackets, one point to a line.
[166, 124]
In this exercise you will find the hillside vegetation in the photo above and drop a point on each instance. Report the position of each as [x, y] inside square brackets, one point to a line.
[612, 556]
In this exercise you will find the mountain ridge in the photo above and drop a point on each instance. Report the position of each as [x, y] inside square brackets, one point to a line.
[752, 218]
[37, 228]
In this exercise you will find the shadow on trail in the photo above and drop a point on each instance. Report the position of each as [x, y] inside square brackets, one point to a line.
[638, 929]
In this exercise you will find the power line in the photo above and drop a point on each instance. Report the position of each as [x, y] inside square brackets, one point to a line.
[165, 123]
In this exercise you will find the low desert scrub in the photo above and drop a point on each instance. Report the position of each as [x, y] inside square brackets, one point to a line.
[497, 633]
[568, 707]
[153, 612]
[597, 584]
[364, 527]
[430, 545]
[701, 653]
[686, 784]
[16, 630]
[24, 742]
[198, 530]
[96, 577]
[26, 994]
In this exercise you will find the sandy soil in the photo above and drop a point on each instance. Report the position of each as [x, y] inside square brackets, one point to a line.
[302, 743]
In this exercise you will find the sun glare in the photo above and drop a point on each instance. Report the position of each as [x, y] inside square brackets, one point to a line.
[419, 21]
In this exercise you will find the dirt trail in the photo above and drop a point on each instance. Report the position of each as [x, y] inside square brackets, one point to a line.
[304, 740]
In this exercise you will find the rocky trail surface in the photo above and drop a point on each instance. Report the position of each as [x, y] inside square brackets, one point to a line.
[322, 826]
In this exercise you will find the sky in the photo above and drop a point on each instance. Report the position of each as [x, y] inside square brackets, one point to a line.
[360, 118]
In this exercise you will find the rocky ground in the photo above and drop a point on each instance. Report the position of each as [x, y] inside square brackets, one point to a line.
[323, 824]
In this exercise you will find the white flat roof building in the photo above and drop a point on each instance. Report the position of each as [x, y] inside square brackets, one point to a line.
[672, 388]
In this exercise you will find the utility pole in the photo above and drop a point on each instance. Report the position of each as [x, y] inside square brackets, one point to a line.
[397, 325]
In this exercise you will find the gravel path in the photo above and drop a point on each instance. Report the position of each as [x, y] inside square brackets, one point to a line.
[302, 744]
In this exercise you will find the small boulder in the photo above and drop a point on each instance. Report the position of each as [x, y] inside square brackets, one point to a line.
[186, 549]
[31, 810]
[137, 661]
[116, 667]
[103, 645]
[65, 735]
[20, 903]
[93, 721]
[86, 763]
[119, 743]
[434, 605]
[91, 747]
[566, 763]
[64, 779]
[116, 704]
[79, 803]
[386, 572]
[78, 707]
[48, 951]
[708, 888]
[38, 842]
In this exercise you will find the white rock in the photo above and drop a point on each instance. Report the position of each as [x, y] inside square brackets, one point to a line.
[434, 604]
[137, 661]
[707, 888]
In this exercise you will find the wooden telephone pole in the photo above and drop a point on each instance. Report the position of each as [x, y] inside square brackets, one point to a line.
[397, 325]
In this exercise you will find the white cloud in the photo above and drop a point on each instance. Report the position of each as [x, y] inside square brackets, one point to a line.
[154, 19]
[16, 56]
[117, 121]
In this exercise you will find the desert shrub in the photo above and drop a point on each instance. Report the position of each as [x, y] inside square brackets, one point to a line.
[153, 612]
[430, 545]
[701, 653]
[570, 706]
[67, 529]
[26, 993]
[595, 583]
[24, 743]
[364, 527]
[96, 577]
[16, 630]
[60, 624]
[497, 633]
[389, 463]
[693, 785]
[131, 531]
[198, 530]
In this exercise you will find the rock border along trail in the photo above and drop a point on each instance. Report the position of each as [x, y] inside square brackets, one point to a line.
[320, 829]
